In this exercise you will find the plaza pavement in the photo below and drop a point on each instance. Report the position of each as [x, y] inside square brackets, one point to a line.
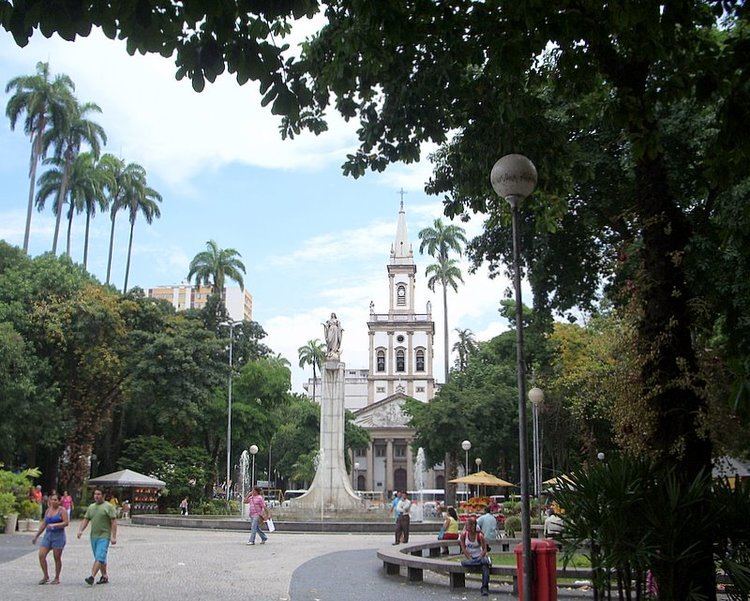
[172, 564]
[151, 563]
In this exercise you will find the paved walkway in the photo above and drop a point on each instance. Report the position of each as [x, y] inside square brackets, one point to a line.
[174, 564]
[196, 565]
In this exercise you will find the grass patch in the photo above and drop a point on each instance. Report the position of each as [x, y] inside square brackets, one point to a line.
[509, 559]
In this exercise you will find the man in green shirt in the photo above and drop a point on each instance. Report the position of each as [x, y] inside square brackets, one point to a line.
[102, 516]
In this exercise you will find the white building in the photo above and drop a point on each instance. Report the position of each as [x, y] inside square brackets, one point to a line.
[400, 366]
[238, 301]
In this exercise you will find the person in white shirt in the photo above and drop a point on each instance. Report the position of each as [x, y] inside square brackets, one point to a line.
[488, 524]
[553, 525]
[402, 524]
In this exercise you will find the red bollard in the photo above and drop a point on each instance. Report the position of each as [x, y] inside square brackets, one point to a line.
[543, 568]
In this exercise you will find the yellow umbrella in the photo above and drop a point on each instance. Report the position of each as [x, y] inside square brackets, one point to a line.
[482, 479]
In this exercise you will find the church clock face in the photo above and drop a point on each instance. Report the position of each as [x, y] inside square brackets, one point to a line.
[401, 295]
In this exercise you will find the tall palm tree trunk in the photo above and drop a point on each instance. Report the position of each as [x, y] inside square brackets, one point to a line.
[446, 358]
[127, 265]
[60, 197]
[86, 241]
[35, 152]
[314, 379]
[70, 227]
[111, 244]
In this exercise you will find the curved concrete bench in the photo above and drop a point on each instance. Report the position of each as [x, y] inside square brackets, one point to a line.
[412, 557]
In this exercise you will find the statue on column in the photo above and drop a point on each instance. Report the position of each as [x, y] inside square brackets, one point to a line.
[332, 331]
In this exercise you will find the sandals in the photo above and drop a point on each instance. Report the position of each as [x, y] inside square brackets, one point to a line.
[55, 581]
[43, 581]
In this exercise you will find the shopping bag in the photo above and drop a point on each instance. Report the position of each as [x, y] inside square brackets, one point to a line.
[270, 524]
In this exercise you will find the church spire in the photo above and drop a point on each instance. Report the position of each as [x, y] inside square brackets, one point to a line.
[401, 250]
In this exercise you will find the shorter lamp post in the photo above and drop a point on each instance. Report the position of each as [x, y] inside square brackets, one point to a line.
[356, 475]
[466, 445]
[536, 396]
[478, 461]
[253, 451]
[600, 456]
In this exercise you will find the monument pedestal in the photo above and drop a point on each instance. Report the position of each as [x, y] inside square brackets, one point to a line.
[330, 489]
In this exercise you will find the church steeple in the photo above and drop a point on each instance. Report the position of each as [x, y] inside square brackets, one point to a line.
[401, 250]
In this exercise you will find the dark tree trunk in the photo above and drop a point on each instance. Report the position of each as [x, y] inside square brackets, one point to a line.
[36, 151]
[130, 250]
[669, 366]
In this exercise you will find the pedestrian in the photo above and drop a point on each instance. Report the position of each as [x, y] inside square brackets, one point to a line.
[126, 509]
[474, 548]
[53, 525]
[488, 524]
[35, 495]
[67, 502]
[184, 506]
[553, 525]
[103, 519]
[402, 525]
[258, 512]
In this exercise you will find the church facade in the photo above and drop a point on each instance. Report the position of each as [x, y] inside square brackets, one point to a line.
[401, 357]
[401, 343]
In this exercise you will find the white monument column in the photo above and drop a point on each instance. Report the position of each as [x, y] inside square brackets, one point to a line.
[331, 489]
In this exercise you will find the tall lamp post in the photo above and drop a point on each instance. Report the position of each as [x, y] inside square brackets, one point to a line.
[356, 475]
[536, 396]
[253, 451]
[466, 445]
[231, 325]
[513, 178]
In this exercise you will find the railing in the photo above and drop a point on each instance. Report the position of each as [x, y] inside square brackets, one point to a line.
[407, 317]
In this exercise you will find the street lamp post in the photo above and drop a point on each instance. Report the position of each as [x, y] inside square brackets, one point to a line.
[253, 451]
[536, 396]
[513, 178]
[356, 475]
[231, 325]
[466, 445]
[478, 461]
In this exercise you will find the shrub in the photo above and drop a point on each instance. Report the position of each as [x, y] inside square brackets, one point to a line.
[7, 505]
[512, 525]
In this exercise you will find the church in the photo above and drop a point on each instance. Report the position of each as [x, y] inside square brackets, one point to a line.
[401, 343]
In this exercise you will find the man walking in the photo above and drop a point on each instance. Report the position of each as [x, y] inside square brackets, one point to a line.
[258, 511]
[402, 525]
[102, 517]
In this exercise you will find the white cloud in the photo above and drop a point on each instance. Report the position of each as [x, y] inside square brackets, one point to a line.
[162, 123]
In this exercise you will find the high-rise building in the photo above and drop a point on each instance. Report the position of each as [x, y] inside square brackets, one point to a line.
[238, 301]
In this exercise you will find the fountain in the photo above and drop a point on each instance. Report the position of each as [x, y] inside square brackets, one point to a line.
[244, 479]
[417, 512]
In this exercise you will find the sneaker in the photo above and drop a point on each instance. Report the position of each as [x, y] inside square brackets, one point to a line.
[89, 581]
[250, 543]
[485, 592]
[103, 580]
[263, 542]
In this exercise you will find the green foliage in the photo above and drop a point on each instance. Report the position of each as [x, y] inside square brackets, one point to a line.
[512, 525]
[14, 490]
[214, 265]
[184, 470]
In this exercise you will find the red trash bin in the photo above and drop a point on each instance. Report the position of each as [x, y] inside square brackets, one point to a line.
[543, 568]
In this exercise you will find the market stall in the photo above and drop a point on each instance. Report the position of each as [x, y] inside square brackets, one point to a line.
[141, 491]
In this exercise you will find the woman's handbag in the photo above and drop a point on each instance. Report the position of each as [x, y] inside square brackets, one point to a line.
[271, 525]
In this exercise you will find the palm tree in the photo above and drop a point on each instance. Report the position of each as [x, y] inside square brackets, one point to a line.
[123, 182]
[439, 240]
[214, 265]
[92, 202]
[46, 103]
[144, 200]
[447, 273]
[67, 142]
[85, 183]
[465, 346]
[313, 354]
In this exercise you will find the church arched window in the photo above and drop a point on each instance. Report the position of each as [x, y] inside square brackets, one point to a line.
[401, 295]
[420, 359]
[400, 363]
[381, 360]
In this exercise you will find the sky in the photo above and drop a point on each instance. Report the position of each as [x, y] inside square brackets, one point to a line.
[312, 240]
